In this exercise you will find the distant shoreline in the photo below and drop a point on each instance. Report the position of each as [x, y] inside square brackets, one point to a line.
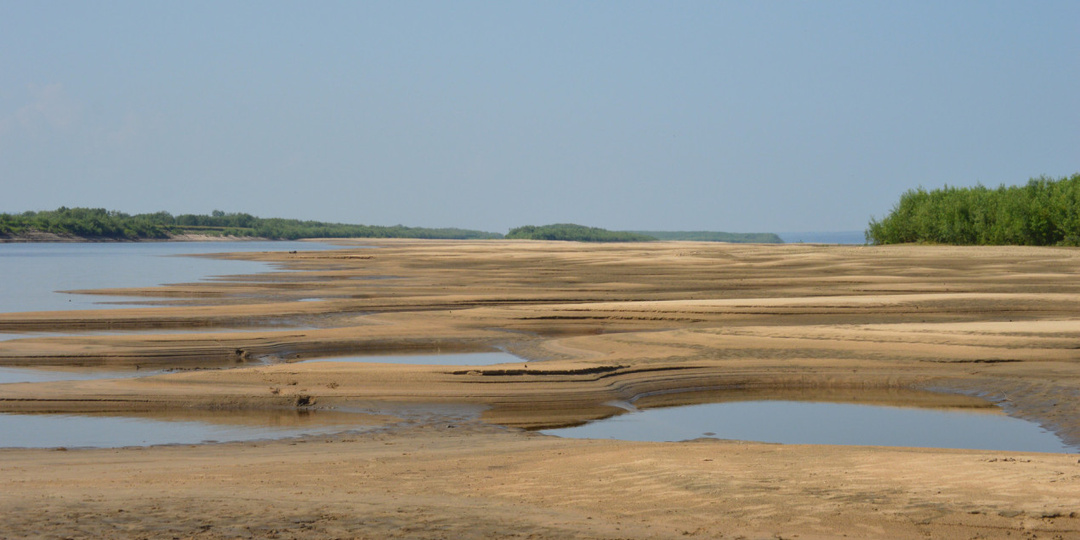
[38, 237]
[824, 237]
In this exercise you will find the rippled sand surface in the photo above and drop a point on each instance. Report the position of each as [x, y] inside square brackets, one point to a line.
[595, 326]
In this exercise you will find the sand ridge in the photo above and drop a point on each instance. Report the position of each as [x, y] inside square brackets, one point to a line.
[658, 324]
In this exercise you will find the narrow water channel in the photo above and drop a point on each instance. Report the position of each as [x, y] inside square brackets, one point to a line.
[14, 375]
[449, 359]
[96, 431]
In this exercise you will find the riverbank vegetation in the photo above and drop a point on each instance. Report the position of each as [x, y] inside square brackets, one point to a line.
[96, 224]
[101, 224]
[575, 233]
[714, 236]
[1044, 212]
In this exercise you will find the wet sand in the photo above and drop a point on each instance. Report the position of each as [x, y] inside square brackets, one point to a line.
[658, 324]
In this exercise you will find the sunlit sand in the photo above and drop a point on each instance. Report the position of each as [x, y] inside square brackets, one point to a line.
[594, 327]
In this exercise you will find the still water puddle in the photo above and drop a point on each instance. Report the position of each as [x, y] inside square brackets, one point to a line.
[78, 431]
[9, 375]
[8, 336]
[452, 359]
[290, 324]
[801, 422]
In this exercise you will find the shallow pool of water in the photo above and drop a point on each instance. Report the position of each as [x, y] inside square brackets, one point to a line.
[7, 336]
[452, 359]
[76, 431]
[800, 422]
[9, 375]
[263, 327]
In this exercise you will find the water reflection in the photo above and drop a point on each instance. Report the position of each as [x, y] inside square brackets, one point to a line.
[449, 359]
[11, 375]
[173, 427]
[803, 422]
[34, 272]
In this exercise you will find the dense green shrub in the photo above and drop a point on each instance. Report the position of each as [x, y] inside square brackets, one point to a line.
[573, 232]
[1044, 212]
[83, 222]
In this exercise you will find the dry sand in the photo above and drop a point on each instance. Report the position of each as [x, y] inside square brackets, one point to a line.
[594, 324]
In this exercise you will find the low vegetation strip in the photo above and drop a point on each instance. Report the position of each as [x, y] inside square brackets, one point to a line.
[581, 233]
[98, 223]
[101, 224]
[714, 236]
[1045, 212]
[575, 233]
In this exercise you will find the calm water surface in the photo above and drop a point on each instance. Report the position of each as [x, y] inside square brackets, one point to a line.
[10, 375]
[801, 422]
[833, 237]
[33, 273]
[75, 431]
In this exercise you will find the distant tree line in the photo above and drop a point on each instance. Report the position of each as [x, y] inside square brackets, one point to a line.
[1045, 212]
[576, 233]
[714, 236]
[86, 223]
[101, 224]
[98, 223]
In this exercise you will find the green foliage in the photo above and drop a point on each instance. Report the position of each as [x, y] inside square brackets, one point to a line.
[714, 236]
[83, 222]
[1044, 212]
[575, 233]
[97, 223]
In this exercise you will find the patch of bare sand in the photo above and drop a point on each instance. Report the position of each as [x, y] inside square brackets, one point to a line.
[659, 323]
[473, 481]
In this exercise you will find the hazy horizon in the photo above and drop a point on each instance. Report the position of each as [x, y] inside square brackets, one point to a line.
[732, 116]
[791, 234]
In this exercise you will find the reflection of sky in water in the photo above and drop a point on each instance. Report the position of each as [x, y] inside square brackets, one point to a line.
[54, 430]
[4, 336]
[21, 375]
[794, 422]
[33, 272]
[458, 359]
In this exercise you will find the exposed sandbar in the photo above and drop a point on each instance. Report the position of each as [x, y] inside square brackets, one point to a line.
[657, 324]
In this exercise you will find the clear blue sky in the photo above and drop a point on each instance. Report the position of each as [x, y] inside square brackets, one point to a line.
[737, 116]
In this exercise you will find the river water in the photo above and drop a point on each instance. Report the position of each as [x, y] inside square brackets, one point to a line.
[34, 274]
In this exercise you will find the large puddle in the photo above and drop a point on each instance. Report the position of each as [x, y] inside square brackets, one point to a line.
[803, 422]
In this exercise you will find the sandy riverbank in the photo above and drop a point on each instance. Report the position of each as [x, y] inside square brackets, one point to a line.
[594, 324]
